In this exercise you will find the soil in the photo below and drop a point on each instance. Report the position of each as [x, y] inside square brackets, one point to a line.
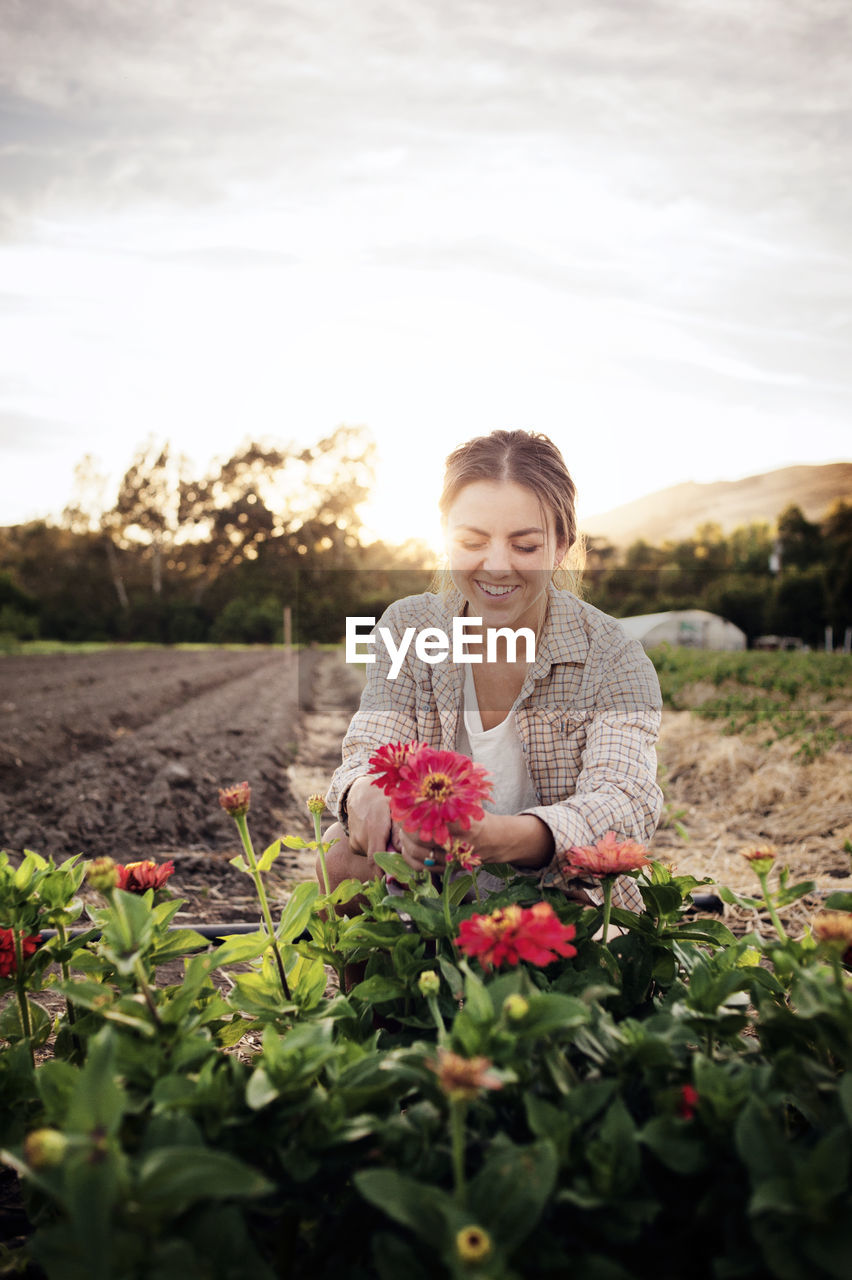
[123, 752]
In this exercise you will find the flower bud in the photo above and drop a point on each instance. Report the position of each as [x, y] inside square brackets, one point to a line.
[473, 1244]
[516, 1007]
[316, 804]
[236, 800]
[761, 859]
[45, 1148]
[429, 983]
[102, 874]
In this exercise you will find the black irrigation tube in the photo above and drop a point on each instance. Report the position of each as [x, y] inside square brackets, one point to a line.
[218, 932]
[213, 932]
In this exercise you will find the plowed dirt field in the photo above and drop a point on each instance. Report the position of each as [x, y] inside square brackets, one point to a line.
[122, 752]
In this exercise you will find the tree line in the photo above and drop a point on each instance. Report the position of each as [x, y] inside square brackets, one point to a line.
[790, 579]
[176, 558]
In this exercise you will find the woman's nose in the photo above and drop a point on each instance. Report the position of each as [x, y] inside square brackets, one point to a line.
[497, 559]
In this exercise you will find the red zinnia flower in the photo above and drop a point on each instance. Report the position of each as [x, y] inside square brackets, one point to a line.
[688, 1101]
[436, 788]
[511, 934]
[136, 877]
[8, 958]
[609, 857]
[388, 762]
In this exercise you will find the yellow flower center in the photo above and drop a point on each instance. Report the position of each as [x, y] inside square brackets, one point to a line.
[436, 787]
[473, 1244]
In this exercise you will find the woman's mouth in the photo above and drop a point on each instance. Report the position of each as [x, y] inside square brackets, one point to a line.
[494, 590]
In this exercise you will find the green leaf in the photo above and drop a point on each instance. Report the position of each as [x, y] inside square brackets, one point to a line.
[179, 943]
[345, 890]
[477, 1001]
[510, 1191]
[173, 1178]
[393, 864]
[267, 858]
[12, 1028]
[240, 863]
[838, 902]
[260, 1090]
[98, 1101]
[702, 930]
[378, 989]
[240, 947]
[297, 913]
[296, 842]
[674, 1144]
[430, 1213]
[552, 1012]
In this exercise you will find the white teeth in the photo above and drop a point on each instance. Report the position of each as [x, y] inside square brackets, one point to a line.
[491, 590]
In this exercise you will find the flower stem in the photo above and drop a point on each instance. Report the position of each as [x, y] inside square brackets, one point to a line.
[321, 849]
[445, 898]
[432, 1002]
[66, 974]
[145, 988]
[458, 1107]
[607, 905]
[770, 906]
[21, 990]
[242, 827]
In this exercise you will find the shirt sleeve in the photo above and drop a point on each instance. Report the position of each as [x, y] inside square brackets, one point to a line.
[386, 713]
[616, 789]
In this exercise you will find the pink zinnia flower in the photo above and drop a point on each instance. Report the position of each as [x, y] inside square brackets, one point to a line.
[609, 857]
[437, 788]
[461, 853]
[388, 761]
[8, 958]
[236, 800]
[511, 934]
[136, 877]
[463, 1078]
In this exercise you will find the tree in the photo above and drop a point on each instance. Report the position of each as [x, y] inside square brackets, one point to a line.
[801, 541]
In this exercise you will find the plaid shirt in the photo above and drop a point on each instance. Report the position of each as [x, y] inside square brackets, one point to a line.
[588, 716]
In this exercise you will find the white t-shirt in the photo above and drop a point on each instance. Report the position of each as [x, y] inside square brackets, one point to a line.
[500, 751]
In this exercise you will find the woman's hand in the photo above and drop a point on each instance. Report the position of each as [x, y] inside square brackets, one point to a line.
[368, 814]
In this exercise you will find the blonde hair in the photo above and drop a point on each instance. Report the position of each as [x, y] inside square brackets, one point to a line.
[527, 458]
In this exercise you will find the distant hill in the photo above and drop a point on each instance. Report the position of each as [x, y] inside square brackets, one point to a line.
[675, 513]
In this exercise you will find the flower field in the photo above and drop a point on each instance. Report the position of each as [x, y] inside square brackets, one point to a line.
[437, 1086]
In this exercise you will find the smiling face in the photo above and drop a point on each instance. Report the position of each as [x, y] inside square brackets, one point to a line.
[502, 550]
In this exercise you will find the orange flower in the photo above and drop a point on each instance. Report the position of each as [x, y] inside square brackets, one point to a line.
[136, 877]
[463, 1078]
[609, 857]
[511, 934]
[236, 800]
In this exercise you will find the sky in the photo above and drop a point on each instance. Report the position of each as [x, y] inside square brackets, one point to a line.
[625, 223]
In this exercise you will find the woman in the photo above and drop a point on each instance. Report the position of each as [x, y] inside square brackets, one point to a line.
[567, 736]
